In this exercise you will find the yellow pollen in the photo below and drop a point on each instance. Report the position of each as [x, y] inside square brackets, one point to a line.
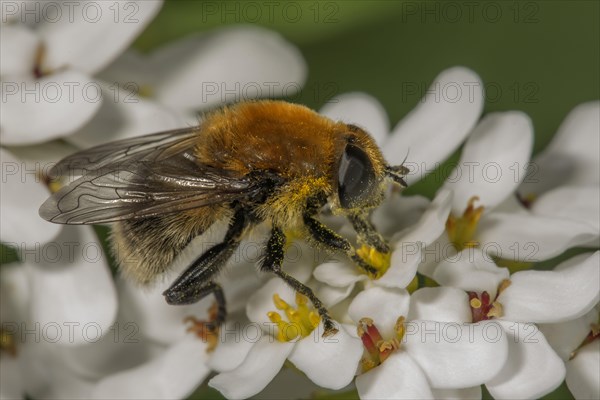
[379, 261]
[301, 320]
[400, 328]
[461, 230]
[503, 285]
[475, 303]
[496, 310]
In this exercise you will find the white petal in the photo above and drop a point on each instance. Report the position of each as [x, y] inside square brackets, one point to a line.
[472, 393]
[471, 270]
[61, 103]
[122, 348]
[329, 362]
[261, 301]
[131, 69]
[236, 341]
[493, 160]
[48, 376]
[582, 377]
[338, 274]
[22, 192]
[397, 213]
[444, 304]
[531, 238]
[533, 369]
[88, 36]
[399, 377]
[408, 252]
[258, 369]
[158, 320]
[564, 337]
[330, 295]
[124, 115]
[435, 253]
[432, 223]
[580, 203]
[454, 355]
[572, 158]
[383, 306]
[18, 46]
[439, 123]
[208, 71]
[11, 378]
[553, 296]
[359, 109]
[72, 291]
[45, 156]
[174, 374]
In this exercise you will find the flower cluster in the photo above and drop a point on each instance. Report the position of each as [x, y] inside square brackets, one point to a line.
[463, 299]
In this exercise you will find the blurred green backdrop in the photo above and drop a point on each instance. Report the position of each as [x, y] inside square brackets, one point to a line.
[541, 57]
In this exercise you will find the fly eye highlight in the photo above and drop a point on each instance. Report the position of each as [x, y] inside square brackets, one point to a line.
[356, 177]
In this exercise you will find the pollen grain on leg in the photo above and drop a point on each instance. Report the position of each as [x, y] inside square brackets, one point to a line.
[379, 261]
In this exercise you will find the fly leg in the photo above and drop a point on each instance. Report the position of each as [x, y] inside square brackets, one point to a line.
[196, 282]
[272, 263]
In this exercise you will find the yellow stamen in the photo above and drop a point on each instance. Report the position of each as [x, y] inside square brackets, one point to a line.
[496, 311]
[400, 328]
[475, 303]
[301, 320]
[503, 285]
[461, 230]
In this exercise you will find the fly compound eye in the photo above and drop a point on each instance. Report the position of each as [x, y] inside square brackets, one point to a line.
[356, 177]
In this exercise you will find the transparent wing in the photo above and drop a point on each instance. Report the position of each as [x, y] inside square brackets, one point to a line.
[138, 189]
[140, 177]
[154, 147]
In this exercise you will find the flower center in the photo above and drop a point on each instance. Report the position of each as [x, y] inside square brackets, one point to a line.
[301, 320]
[378, 349]
[483, 307]
[379, 261]
[461, 230]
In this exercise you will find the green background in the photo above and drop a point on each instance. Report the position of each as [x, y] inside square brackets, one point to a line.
[542, 58]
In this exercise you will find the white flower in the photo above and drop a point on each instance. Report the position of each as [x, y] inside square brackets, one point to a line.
[47, 69]
[492, 165]
[576, 342]
[524, 298]
[565, 177]
[414, 222]
[420, 347]
[164, 89]
[329, 362]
